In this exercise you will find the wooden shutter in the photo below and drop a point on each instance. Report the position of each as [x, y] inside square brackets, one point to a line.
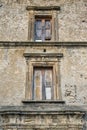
[37, 84]
[47, 29]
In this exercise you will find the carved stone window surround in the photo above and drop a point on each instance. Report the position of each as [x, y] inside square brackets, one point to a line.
[43, 11]
[43, 60]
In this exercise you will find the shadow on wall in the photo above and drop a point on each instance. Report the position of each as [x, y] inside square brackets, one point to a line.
[85, 122]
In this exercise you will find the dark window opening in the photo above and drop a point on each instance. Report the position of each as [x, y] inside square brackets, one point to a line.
[43, 28]
[43, 83]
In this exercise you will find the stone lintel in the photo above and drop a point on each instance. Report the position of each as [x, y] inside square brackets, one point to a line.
[43, 8]
[43, 54]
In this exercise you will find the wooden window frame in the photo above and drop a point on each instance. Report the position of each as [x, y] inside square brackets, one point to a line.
[43, 93]
[50, 64]
[43, 18]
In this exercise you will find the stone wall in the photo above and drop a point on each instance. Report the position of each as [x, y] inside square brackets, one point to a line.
[72, 19]
[17, 113]
[73, 71]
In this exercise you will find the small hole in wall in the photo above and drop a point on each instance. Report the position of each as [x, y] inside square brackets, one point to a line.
[81, 75]
[1, 5]
[83, 21]
[85, 4]
[44, 50]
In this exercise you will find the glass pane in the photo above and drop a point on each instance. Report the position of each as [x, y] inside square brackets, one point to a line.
[48, 35]
[37, 85]
[43, 83]
[48, 93]
[38, 34]
[38, 30]
[47, 24]
[48, 83]
[38, 24]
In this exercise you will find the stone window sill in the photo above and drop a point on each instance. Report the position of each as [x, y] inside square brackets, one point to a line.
[43, 101]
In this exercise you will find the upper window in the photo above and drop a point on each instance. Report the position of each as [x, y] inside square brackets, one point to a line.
[43, 29]
[43, 23]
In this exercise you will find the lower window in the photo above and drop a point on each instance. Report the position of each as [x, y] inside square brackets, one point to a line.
[42, 83]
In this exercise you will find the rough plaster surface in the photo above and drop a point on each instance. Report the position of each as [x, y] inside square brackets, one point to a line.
[74, 70]
[72, 19]
[12, 79]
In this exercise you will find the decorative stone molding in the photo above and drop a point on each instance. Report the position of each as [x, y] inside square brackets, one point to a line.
[41, 117]
[51, 55]
[43, 7]
[43, 60]
[43, 11]
[55, 44]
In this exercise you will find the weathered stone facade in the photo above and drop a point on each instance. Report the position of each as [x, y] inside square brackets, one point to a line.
[42, 117]
[66, 54]
[72, 20]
